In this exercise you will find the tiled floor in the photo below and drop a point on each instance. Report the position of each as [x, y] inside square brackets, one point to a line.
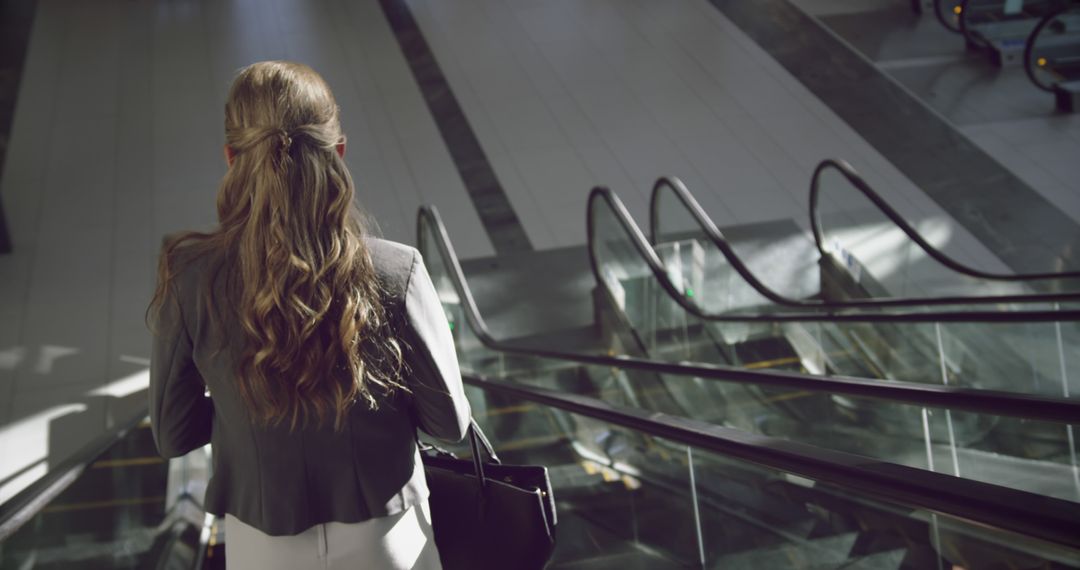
[570, 95]
[117, 141]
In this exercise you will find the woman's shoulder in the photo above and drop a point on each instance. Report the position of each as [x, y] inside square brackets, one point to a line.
[187, 259]
[393, 263]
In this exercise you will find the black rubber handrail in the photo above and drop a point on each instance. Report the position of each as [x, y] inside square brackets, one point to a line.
[941, 16]
[992, 402]
[1022, 512]
[819, 311]
[709, 229]
[1029, 45]
[22, 507]
[966, 27]
[862, 186]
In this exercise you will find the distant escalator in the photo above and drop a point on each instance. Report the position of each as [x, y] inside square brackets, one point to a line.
[1052, 56]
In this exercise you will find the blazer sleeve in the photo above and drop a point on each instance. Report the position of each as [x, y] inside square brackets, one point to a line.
[435, 379]
[181, 415]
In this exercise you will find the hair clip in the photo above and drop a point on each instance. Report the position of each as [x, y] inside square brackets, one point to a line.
[286, 144]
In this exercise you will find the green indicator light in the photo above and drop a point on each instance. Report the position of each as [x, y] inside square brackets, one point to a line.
[451, 325]
[689, 292]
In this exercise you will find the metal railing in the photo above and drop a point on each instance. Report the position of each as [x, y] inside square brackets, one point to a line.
[22, 507]
[938, 396]
[1021, 512]
[810, 310]
[717, 238]
[941, 257]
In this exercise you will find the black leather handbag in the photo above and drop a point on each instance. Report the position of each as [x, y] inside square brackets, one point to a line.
[486, 514]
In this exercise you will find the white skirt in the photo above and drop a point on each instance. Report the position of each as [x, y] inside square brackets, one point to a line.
[398, 542]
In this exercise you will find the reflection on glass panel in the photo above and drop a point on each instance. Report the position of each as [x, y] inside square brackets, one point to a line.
[624, 497]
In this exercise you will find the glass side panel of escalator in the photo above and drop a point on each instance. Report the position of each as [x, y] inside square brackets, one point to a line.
[875, 251]
[1040, 457]
[1038, 358]
[1027, 357]
[867, 255]
[629, 499]
[128, 509]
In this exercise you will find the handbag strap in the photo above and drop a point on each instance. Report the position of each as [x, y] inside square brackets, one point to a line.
[477, 433]
[479, 444]
[478, 463]
[478, 441]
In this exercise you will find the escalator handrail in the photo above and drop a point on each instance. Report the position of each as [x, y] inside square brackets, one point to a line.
[716, 236]
[822, 313]
[992, 402]
[1029, 45]
[941, 17]
[1022, 512]
[862, 186]
[22, 507]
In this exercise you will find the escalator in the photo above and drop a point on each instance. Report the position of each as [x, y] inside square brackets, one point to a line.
[1052, 56]
[689, 282]
[687, 292]
[831, 398]
[633, 490]
[114, 504]
[703, 394]
[647, 490]
[1020, 338]
[1002, 27]
[655, 464]
[1042, 35]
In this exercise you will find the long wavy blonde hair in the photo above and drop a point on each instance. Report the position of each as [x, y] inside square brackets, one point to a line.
[300, 280]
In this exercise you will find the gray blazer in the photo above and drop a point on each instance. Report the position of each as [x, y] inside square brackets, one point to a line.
[283, 483]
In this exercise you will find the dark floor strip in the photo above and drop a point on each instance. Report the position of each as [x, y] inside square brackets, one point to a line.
[5, 236]
[1025, 230]
[16, 19]
[501, 223]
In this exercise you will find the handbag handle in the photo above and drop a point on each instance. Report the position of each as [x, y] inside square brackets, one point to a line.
[476, 433]
[478, 440]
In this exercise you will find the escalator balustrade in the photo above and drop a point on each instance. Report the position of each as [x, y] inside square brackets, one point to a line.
[641, 320]
[125, 507]
[1052, 56]
[1001, 28]
[633, 489]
